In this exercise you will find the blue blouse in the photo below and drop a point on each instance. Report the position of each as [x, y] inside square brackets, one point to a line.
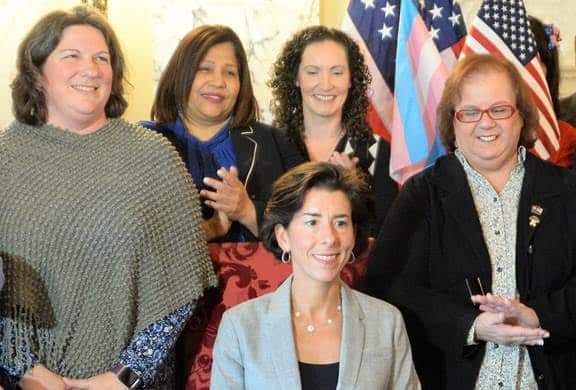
[203, 159]
[206, 157]
[146, 351]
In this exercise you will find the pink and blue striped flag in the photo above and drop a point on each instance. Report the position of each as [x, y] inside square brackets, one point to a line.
[415, 83]
[420, 75]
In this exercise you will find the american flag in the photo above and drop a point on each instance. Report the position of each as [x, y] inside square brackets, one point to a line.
[502, 28]
[373, 24]
[407, 82]
[446, 24]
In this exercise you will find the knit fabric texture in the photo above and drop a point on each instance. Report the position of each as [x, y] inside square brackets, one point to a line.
[101, 236]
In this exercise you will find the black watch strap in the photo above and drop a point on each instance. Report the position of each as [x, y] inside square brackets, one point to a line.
[127, 376]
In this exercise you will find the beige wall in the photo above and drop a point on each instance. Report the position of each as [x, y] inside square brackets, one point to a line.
[331, 12]
[132, 20]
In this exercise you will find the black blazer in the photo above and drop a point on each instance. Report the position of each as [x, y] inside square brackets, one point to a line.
[263, 153]
[432, 241]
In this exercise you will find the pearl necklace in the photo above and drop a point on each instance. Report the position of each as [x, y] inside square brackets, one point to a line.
[311, 328]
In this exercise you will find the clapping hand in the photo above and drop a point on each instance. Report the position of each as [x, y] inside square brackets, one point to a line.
[507, 321]
[343, 160]
[231, 198]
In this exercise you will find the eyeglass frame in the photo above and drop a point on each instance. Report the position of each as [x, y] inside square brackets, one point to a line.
[487, 112]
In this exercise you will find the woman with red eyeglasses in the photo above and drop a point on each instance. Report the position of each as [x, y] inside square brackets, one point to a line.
[479, 251]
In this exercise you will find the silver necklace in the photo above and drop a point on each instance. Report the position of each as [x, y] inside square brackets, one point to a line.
[311, 328]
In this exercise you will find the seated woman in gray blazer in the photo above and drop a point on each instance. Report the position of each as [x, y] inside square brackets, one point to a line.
[314, 332]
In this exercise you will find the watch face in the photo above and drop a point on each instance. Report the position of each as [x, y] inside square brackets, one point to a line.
[128, 377]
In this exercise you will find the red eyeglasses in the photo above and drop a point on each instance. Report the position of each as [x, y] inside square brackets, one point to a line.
[499, 112]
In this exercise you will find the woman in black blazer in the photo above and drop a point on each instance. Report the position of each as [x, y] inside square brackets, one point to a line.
[206, 107]
[320, 84]
[479, 251]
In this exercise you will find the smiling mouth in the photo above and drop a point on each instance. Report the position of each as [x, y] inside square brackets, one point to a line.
[487, 138]
[325, 98]
[212, 97]
[84, 88]
[327, 259]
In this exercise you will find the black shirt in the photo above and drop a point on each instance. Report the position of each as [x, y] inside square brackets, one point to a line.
[319, 376]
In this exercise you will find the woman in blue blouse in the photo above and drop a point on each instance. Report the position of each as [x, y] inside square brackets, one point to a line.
[206, 107]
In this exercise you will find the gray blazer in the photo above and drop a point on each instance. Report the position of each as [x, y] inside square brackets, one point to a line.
[255, 346]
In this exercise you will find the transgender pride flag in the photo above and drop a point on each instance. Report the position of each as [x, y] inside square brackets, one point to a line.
[420, 75]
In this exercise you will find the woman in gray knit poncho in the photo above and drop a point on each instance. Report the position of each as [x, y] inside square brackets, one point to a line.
[100, 229]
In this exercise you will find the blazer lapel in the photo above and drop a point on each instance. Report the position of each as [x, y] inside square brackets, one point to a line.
[459, 205]
[352, 344]
[245, 148]
[537, 189]
[280, 339]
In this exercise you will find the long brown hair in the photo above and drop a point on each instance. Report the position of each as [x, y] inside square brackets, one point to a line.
[176, 81]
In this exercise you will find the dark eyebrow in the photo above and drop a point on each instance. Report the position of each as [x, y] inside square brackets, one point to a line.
[319, 215]
[342, 216]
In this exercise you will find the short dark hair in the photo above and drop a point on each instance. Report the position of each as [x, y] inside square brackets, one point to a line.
[28, 97]
[478, 64]
[289, 191]
[287, 103]
[176, 81]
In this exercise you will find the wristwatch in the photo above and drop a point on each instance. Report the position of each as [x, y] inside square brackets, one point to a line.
[127, 376]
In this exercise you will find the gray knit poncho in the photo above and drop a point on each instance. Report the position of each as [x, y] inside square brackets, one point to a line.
[101, 236]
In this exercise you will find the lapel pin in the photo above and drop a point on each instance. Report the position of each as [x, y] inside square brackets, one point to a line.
[537, 210]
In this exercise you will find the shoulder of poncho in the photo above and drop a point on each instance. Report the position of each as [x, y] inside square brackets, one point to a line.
[147, 140]
[145, 145]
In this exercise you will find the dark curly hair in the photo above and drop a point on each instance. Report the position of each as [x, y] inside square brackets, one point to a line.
[28, 99]
[289, 191]
[287, 103]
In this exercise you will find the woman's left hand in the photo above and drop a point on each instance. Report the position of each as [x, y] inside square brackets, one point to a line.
[231, 198]
[515, 311]
[343, 160]
[106, 381]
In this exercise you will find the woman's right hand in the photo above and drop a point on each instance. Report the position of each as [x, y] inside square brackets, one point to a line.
[500, 329]
[41, 378]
